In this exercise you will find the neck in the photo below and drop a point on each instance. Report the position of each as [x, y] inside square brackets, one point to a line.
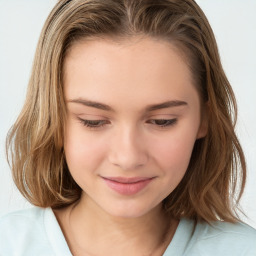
[90, 229]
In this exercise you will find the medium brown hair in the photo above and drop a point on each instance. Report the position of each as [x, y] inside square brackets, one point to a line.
[215, 179]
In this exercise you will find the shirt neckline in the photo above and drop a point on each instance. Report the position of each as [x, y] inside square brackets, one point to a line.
[55, 234]
[181, 238]
[60, 247]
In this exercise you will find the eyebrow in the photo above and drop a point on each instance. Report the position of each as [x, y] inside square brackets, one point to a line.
[167, 104]
[98, 105]
[92, 104]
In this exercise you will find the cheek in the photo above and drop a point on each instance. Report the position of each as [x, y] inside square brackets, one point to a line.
[83, 152]
[172, 159]
[173, 152]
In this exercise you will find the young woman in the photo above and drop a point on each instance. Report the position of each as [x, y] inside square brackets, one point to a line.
[126, 142]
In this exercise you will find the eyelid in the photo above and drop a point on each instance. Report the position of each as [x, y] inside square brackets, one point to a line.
[86, 116]
[162, 116]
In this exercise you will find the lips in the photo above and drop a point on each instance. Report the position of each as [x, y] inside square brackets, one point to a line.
[127, 186]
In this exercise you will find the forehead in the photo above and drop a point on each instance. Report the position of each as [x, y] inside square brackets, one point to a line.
[143, 68]
[136, 51]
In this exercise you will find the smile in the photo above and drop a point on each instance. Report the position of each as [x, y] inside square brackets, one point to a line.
[127, 186]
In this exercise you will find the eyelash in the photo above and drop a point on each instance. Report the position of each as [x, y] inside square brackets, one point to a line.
[95, 124]
[162, 123]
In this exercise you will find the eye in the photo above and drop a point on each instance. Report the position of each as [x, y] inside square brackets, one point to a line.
[93, 123]
[163, 122]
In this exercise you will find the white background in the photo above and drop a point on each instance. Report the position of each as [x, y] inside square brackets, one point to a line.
[234, 24]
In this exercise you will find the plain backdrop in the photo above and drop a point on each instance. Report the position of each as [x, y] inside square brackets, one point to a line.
[234, 24]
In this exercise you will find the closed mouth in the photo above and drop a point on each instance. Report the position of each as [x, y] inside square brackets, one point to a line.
[127, 186]
[125, 180]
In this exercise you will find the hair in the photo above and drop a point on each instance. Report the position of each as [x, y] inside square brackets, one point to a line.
[215, 179]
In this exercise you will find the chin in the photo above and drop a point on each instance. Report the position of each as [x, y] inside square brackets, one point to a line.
[129, 211]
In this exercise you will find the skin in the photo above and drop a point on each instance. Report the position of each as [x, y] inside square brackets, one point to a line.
[134, 138]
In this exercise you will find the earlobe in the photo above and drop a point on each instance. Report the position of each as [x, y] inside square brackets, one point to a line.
[202, 131]
[203, 128]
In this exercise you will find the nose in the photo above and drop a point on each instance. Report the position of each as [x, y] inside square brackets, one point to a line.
[127, 149]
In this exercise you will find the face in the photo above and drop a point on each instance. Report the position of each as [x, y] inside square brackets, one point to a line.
[133, 116]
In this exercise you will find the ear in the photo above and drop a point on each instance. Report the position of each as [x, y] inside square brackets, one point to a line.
[203, 128]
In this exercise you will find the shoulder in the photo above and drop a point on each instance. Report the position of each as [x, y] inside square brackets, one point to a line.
[22, 220]
[224, 229]
[224, 238]
[20, 228]
[31, 213]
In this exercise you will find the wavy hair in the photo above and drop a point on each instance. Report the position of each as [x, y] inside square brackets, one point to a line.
[215, 179]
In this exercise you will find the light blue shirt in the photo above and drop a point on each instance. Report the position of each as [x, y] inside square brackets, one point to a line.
[36, 232]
